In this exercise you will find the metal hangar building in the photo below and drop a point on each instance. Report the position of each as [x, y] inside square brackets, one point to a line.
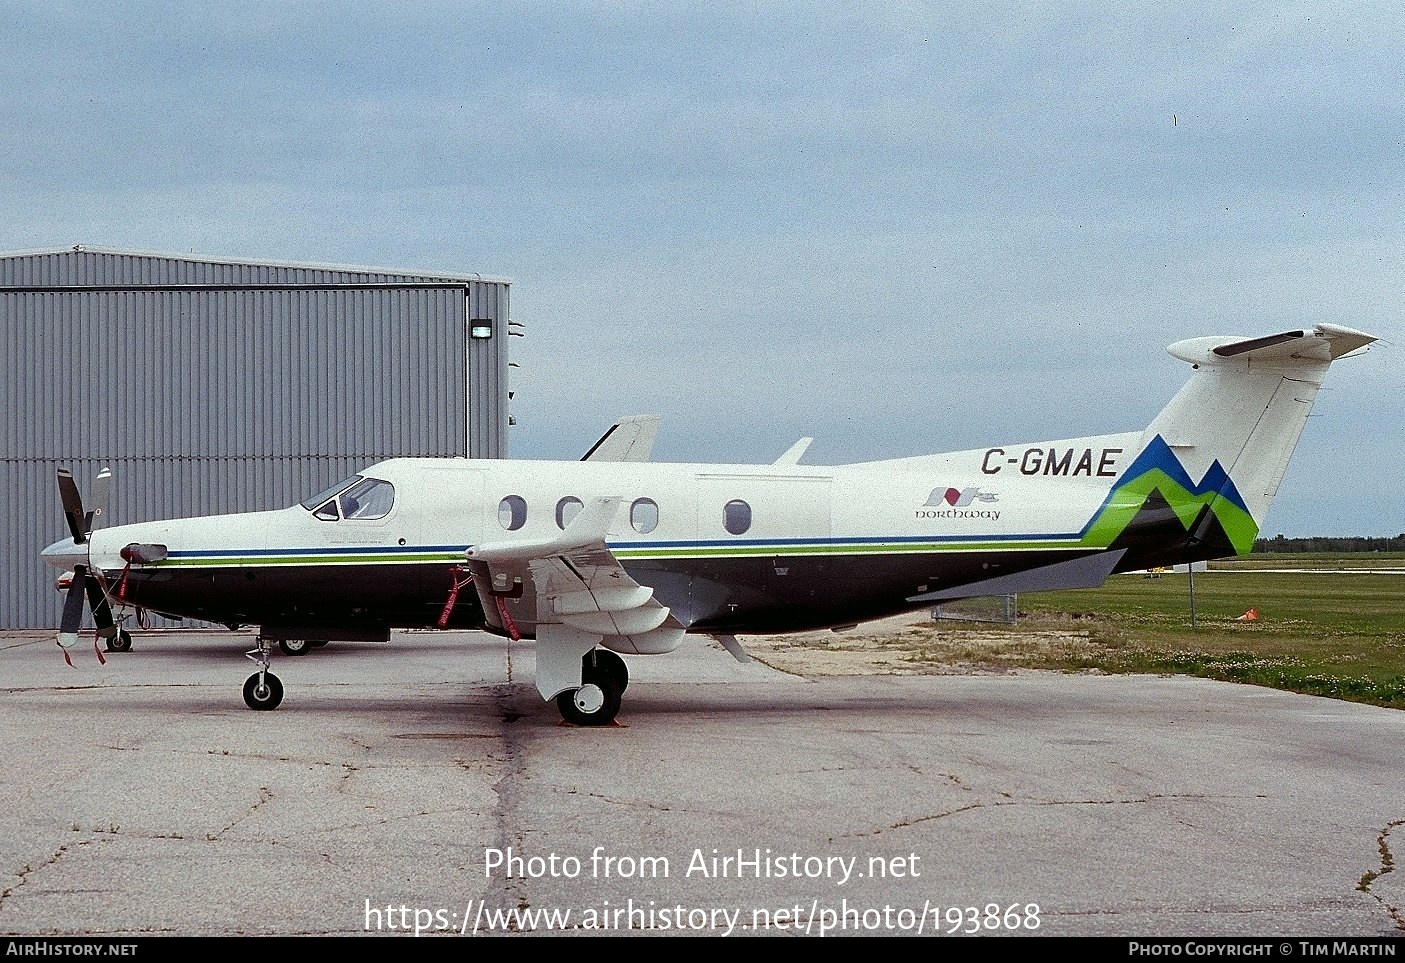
[211, 386]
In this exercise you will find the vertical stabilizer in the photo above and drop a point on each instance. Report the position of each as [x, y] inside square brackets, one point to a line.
[1231, 430]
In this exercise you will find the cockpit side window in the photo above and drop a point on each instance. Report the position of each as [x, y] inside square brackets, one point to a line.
[368, 498]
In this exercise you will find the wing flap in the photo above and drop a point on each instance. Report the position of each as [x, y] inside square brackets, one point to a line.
[616, 598]
[593, 597]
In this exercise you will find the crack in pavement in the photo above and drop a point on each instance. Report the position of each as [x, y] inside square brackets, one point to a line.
[27, 871]
[509, 792]
[1387, 866]
[1133, 801]
[265, 795]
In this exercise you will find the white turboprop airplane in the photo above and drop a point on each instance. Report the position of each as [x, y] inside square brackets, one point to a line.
[615, 554]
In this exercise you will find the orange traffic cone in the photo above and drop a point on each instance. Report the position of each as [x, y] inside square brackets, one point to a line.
[1250, 616]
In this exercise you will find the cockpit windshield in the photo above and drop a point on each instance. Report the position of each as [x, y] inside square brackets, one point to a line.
[354, 497]
[322, 496]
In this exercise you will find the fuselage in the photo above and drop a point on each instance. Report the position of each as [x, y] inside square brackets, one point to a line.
[727, 548]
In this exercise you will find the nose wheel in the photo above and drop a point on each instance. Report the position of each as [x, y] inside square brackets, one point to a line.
[262, 690]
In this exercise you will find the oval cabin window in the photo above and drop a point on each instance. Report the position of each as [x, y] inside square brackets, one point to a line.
[512, 512]
[566, 510]
[736, 516]
[644, 515]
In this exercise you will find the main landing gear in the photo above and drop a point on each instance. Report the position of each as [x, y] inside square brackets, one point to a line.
[262, 690]
[300, 646]
[604, 677]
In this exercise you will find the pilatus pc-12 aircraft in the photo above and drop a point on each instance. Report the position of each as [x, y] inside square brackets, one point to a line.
[616, 555]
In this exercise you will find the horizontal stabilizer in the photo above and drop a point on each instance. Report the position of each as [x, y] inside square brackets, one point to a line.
[1319, 345]
[1090, 571]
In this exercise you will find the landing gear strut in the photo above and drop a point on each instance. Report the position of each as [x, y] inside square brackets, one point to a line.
[604, 677]
[262, 690]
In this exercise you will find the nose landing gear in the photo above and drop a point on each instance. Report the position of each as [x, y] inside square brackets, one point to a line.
[262, 690]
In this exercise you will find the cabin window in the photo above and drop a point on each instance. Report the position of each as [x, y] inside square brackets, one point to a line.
[736, 516]
[644, 515]
[512, 512]
[368, 498]
[566, 510]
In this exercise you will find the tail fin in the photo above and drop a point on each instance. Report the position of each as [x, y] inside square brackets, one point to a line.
[1208, 467]
[1235, 424]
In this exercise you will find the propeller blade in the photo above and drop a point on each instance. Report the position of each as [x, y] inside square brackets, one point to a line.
[73, 609]
[72, 506]
[101, 487]
[97, 601]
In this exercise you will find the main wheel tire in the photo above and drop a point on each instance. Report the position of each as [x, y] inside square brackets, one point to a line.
[121, 642]
[593, 704]
[294, 646]
[263, 696]
[607, 665]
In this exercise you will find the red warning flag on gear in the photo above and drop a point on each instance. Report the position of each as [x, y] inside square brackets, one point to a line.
[1250, 616]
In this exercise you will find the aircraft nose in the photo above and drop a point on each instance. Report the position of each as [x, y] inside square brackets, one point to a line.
[65, 554]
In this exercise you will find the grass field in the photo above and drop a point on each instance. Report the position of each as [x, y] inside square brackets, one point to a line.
[1344, 563]
[1324, 632]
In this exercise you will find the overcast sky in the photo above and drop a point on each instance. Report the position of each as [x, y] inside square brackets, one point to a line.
[897, 227]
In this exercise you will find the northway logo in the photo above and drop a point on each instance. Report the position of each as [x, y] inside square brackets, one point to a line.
[958, 499]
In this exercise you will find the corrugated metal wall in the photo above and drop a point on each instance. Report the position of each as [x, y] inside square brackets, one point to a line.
[213, 386]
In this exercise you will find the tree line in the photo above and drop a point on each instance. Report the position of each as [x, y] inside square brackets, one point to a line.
[1340, 544]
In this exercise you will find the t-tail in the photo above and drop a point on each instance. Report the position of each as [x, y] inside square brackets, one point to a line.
[1209, 465]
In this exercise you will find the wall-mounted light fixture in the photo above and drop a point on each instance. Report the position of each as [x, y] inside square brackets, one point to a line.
[480, 328]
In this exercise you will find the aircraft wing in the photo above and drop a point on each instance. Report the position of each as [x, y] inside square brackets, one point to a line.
[584, 597]
[629, 439]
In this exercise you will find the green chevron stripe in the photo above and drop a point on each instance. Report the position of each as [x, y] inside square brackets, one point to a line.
[1128, 498]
